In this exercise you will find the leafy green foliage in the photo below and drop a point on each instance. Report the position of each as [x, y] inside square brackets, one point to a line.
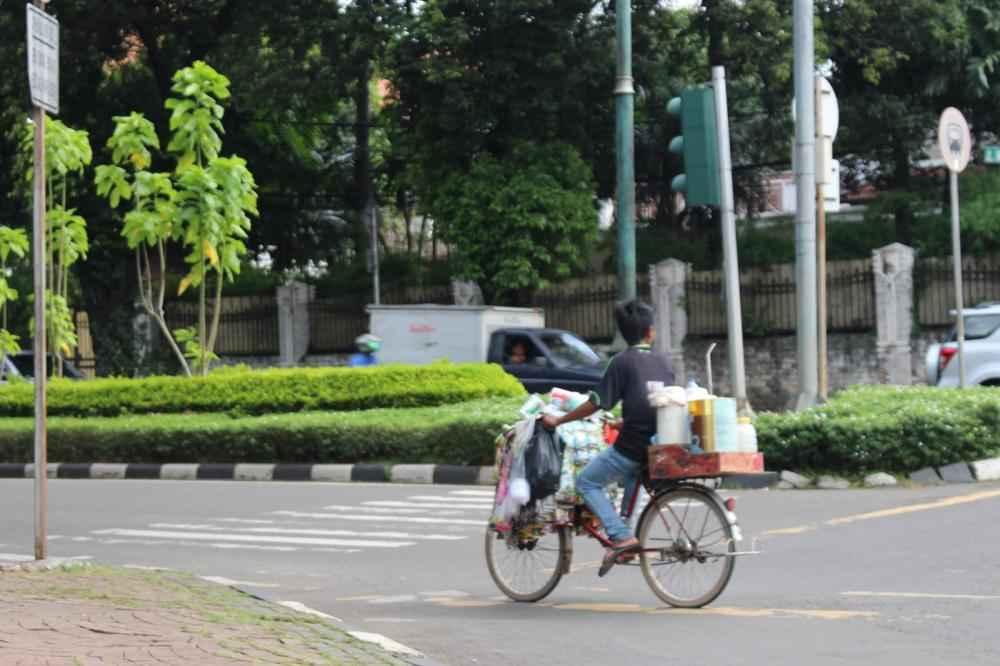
[187, 338]
[460, 434]
[519, 222]
[868, 428]
[271, 391]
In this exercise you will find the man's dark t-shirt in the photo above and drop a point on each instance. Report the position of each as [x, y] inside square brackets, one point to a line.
[625, 381]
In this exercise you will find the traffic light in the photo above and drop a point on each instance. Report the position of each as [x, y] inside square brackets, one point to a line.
[698, 145]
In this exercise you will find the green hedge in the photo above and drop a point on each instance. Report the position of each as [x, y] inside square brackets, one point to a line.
[877, 428]
[460, 434]
[863, 429]
[269, 391]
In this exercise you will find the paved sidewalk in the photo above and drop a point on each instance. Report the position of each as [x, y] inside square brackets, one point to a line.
[88, 615]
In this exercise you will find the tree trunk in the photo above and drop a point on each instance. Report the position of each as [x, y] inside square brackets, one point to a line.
[904, 209]
[362, 158]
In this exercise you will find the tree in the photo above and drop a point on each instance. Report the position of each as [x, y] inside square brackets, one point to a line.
[205, 204]
[893, 67]
[518, 222]
[13, 245]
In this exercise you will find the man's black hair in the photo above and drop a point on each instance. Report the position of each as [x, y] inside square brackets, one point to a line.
[634, 320]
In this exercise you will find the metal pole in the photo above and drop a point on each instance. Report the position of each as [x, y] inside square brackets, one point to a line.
[625, 154]
[956, 251]
[821, 321]
[805, 181]
[734, 312]
[375, 268]
[821, 309]
[40, 346]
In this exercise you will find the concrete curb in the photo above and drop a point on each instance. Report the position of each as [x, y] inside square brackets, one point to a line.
[362, 472]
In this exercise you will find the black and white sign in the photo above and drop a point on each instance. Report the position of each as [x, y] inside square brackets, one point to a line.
[954, 140]
[43, 59]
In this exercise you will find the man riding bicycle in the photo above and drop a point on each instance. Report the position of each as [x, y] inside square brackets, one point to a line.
[625, 381]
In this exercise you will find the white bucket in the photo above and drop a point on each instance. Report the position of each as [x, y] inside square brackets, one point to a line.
[672, 425]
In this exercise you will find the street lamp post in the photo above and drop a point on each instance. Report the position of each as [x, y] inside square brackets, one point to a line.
[625, 153]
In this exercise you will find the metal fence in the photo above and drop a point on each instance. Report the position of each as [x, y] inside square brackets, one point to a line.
[335, 322]
[585, 306]
[934, 287]
[248, 325]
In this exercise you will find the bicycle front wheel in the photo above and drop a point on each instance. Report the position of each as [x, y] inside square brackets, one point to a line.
[526, 563]
[686, 543]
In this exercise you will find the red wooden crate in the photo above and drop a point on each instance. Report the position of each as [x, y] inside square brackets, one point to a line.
[676, 462]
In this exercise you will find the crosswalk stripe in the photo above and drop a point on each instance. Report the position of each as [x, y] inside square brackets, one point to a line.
[304, 541]
[423, 505]
[474, 493]
[438, 498]
[377, 509]
[199, 544]
[313, 532]
[385, 519]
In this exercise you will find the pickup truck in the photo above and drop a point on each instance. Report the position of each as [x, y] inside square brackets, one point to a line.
[477, 334]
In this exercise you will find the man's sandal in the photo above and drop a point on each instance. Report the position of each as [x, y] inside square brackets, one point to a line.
[615, 555]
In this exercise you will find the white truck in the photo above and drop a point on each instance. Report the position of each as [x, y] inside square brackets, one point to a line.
[461, 334]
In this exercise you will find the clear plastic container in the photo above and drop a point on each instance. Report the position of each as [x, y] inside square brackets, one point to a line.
[746, 435]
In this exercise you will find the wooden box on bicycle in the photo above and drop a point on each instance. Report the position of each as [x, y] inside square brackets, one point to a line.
[676, 462]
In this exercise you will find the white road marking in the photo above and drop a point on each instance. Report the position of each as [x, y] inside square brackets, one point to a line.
[301, 541]
[56, 537]
[474, 493]
[83, 538]
[374, 509]
[386, 644]
[336, 550]
[229, 581]
[428, 505]
[923, 595]
[390, 519]
[442, 498]
[144, 567]
[198, 544]
[244, 520]
[302, 608]
[14, 557]
[396, 599]
[313, 532]
[445, 593]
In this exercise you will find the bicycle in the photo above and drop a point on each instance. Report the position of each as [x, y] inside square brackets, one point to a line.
[529, 558]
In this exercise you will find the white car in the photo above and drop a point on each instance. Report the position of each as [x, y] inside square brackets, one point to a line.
[982, 351]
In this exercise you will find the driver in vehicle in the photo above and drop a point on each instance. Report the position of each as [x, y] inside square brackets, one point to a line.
[624, 381]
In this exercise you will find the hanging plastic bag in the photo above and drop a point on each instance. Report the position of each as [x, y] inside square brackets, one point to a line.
[512, 488]
[543, 462]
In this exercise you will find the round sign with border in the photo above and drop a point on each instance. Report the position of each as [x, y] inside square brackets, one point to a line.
[954, 140]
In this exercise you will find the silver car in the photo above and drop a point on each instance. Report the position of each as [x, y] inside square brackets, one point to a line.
[982, 351]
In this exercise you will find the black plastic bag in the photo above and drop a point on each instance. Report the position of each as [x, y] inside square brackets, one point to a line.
[543, 462]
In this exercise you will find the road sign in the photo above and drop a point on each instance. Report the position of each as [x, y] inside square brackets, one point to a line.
[954, 140]
[43, 59]
[991, 154]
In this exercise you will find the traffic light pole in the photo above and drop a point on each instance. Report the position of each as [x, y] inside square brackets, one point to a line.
[727, 207]
[805, 215]
[625, 154]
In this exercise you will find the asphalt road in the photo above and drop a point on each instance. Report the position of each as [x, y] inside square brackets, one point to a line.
[917, 582]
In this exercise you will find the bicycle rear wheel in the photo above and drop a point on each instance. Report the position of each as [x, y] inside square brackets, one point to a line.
[526, 563]
[686, 541]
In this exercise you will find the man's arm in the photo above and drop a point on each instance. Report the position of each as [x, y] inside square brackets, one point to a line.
[581, 412]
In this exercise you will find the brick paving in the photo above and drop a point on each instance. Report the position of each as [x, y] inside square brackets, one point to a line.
[90, 615]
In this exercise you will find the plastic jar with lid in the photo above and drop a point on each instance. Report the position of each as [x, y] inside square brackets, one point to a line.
[746, 435]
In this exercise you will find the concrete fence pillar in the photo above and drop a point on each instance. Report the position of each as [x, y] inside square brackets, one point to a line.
[667, 281]
[893, 268]
[293, 321]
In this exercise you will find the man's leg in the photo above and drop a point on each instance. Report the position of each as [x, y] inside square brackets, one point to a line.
[609, 466]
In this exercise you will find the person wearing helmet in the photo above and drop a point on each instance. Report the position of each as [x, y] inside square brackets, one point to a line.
[367, 345]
